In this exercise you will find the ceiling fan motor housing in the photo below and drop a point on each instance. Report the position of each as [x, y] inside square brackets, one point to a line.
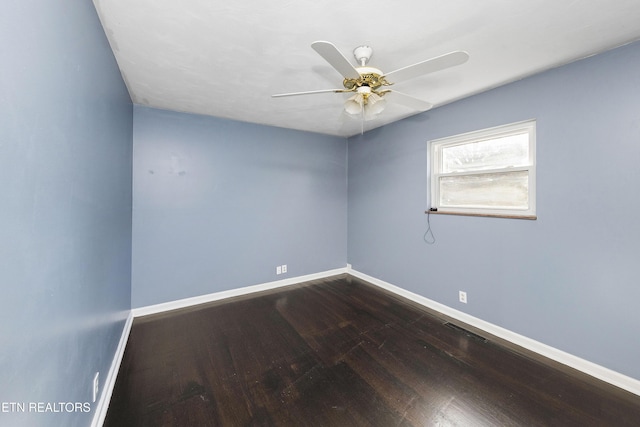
[369, 76]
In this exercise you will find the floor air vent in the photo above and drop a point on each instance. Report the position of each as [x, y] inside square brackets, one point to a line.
[466, 332]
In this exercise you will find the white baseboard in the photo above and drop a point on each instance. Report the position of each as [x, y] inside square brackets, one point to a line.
[187, 302]
[605, 374]
[100, 411]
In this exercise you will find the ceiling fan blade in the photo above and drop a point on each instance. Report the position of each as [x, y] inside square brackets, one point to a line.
[337, 60]
[309, 92]
[408, 101]
[429, 66]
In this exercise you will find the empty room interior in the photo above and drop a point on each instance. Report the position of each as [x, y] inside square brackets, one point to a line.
[313, 213]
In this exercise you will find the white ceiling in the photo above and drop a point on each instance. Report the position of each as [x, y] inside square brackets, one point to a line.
[226, 59]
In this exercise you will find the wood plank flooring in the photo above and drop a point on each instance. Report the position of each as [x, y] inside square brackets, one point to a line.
[341, 352]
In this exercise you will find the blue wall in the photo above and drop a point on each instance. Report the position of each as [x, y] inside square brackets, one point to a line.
[569, 279]
[218, 204]
[65, 206]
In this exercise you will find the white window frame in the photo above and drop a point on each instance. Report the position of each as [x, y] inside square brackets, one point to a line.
[435, 165]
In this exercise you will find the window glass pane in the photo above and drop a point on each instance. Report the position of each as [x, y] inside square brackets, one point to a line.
[512, 150]
[509, 190]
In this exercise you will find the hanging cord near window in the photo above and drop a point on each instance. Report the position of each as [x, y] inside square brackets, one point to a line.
[429, 237]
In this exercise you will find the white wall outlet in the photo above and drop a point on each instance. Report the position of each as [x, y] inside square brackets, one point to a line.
[284, 268]
[279, 269]
[462, 296]
[96, 385]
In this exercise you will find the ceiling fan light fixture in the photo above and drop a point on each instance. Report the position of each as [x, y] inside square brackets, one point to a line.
[366, 101]
[375, 104]
[354, 104]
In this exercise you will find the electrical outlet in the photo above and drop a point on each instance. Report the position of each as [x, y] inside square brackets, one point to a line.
[96, 385]
[284, 268]
[462, 295]
[279, 269]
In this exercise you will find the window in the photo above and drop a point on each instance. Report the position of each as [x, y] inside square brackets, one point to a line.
[487, 173]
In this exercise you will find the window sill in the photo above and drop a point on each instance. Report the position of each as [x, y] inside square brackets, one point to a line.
[529, 217]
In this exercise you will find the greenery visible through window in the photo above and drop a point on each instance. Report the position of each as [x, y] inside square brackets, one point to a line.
[489, 172]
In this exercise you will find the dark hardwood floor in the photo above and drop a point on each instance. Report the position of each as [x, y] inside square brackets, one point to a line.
[341, 352]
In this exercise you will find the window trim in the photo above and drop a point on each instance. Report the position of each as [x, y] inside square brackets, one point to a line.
[434, 152]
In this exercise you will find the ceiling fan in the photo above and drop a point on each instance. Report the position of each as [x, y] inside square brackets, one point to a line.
[370, 85]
